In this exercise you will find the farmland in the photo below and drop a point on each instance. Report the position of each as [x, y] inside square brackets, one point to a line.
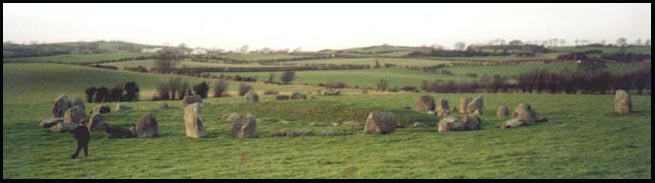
[583, 137]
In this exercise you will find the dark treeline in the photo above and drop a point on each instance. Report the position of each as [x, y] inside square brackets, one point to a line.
[454, 53]
[128, 91]
[541, 81]
[176, 89]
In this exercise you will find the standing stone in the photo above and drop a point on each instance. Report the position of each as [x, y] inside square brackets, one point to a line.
[450, 123]
[425, 103]
[502, 111]
[193, 121]
[244, 127]
[191, 99]
[47, 123]
[146, 126]
[526, 113]
[251, 96]
[622, 102]
[96, 123]
[298, 96]
[61, 104]
[282, 97]
[115, 131]
[442, 108]
[463, 103]
[71, 120]
[380, 123]
[475, 106]
[120, 107]
[100, 109]
[471, 122]
[514, 122]
[78, 102]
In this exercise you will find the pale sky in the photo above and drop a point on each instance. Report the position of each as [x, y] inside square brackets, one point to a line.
[322, 26]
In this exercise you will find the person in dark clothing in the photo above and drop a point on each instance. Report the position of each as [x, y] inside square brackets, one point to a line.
[81, 134]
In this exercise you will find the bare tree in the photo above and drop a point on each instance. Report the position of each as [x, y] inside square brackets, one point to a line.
[621, 41]
[244, 49]
[460, 45]
[515, 42]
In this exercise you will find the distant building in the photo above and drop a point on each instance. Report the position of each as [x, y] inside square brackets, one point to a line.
[150, 50]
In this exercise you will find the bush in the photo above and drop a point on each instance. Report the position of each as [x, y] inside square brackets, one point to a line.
[382, 85]
[102, 94]
[243, 89]
[89, 94]
[131, 91]
[288, 76]
[163, 92]
[409, 88]
[115, 94]
[220, 87]
[201, 89]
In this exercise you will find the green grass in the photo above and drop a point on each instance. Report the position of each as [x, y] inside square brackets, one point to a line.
[537, 57]
[371, 61]
[78, 58]
[184, 63]
[583, 138]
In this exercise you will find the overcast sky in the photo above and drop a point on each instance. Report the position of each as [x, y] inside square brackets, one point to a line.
[322, 26]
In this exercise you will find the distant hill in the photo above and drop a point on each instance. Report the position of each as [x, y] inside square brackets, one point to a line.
[11, 50]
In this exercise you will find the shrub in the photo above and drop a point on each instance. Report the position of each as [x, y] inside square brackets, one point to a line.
[89, 94]
[102, 94]
[131, 91]
[115, 94]
[220, 87]
[201, 89]
[288, 76]
[382, 85]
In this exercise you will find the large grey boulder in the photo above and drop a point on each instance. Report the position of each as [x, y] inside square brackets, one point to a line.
[466, 123]
[244, 127]
[96, 123]
[231, 117]
[380, 123]
[72, 117]
[463, 103]
[61, 104]
[49, 122]
[622, 102]
[191, 99]
[115, 131]
[193, 121]
[251, 96]
[298, 96]
[146, 126]
[442, 108]
[502, 111]
[425, 104]
[475, 106]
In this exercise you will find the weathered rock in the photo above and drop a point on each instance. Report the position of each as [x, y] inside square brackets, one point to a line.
[100, 109]
[251, 96]
[244, 127]
[475, 106]
[282, 97]
[450, 123]
[463, 103]
[335, 124]
[502, 111]
[61, 104]
[380, 123]
[471, 122]
[47, 123]
[193, 121]
[191, 99]
[298, 96]
[146, 126]
[96, 123]
[514, 122]
[526, 113]
[78, 102]
[121, 107]
[231, 117]
[425, 103]
[72, 117]
[442, 108]
[622, 102]
[115, 131]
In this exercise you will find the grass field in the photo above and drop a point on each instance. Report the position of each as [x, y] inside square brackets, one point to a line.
[371, 61]
[606, 49]
[253, 57]
[184, 63]
[584, 138]
[78, 58]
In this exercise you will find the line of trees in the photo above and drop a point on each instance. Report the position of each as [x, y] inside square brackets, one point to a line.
[128, 91]
[176, 89]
